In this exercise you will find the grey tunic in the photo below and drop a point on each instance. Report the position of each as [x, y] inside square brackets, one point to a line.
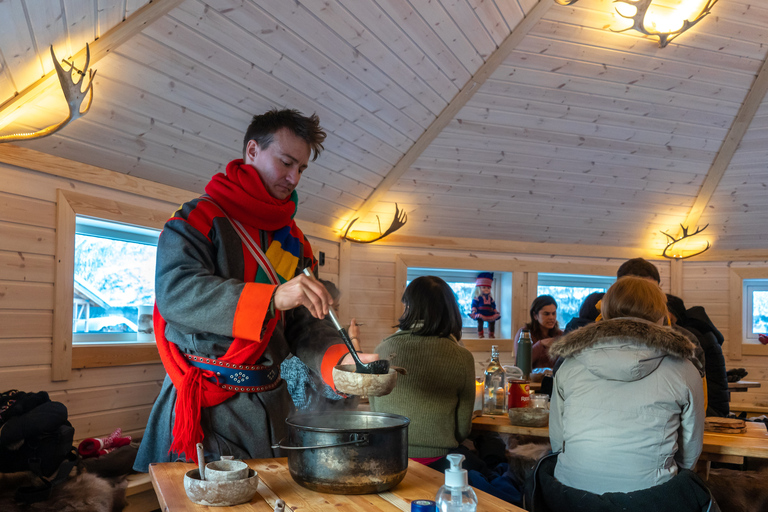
[199, 279]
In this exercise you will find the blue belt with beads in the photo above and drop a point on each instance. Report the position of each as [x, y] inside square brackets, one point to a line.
[238, 377]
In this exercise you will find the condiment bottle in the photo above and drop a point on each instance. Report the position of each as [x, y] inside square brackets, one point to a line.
[456, 495]
[523, 356]
[494, 391]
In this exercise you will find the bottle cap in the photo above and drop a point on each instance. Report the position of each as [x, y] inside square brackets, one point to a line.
[455, 476]
[423, 506]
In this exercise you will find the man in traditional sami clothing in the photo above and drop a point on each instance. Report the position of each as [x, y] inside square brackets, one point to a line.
[232, 303]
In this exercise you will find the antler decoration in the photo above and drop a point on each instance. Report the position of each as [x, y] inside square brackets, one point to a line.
[642, 6]
[641, 9]
[673, 241]
[397, 222]
[73, 93]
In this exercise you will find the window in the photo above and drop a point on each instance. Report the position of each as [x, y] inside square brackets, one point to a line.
[114, 288]
[570, 290]
[755, 309]
[462, 282]
[67, 355]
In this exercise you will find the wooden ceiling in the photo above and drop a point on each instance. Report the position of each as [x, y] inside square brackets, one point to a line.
[516, 120]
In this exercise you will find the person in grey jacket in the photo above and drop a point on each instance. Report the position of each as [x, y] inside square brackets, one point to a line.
[627, 407]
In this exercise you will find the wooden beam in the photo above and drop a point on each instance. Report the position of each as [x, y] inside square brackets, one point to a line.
[456, 104]
[99, 48]
[507, 246]
[729, 146]
[57, 166]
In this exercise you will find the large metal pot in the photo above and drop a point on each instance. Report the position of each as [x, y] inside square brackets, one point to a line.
[347, 452]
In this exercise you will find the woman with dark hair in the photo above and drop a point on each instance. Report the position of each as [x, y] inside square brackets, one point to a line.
[438, 393]
[543, 328]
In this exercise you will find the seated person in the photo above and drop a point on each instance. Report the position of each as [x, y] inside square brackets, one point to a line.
[588, 312]
[714, 362]
[438, 393]
[627, 406]
[544, 329]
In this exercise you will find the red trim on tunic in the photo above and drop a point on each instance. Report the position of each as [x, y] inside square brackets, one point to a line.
[331, 358]
[201, 217]
[251, 310]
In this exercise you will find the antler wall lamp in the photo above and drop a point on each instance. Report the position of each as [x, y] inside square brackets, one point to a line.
[73, 92]
[685, 235]
[397, 222]
[663, 19]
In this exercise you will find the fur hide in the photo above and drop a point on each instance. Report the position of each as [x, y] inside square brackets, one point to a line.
[632, 330]
[739, 491]
[83, 492]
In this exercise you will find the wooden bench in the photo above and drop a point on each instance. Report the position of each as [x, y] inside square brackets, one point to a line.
[140, 494]
[750, 409]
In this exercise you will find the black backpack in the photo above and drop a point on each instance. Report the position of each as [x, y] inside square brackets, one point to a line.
[35, 436]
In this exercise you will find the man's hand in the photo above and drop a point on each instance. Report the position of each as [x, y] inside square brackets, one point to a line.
[366, 358]
[303, 291]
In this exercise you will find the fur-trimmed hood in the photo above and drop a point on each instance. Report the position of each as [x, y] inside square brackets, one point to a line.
[624, 349]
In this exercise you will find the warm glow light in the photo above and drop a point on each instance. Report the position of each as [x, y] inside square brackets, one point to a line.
[665, 19]
[670, 16]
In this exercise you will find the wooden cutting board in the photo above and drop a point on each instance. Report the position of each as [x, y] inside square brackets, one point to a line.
[420, 482]
[725, 425]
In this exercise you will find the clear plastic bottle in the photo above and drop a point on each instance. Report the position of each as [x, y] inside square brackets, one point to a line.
[494, 390]
[456, 495]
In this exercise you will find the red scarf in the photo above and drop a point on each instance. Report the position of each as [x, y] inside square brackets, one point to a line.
[243, 196]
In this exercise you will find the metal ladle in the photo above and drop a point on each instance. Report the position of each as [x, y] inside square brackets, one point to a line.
[376, 367]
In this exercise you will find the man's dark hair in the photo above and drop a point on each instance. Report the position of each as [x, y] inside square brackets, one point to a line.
[676, 306]
[588, 308]
[263, 127]
[638, 267]
[431, 308]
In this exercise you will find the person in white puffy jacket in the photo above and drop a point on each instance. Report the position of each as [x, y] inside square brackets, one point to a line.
[627, 407]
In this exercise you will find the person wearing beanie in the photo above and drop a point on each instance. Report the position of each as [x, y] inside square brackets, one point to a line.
[483, 305]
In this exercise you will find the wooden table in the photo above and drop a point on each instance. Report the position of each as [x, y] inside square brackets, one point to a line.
[742, 385]
[717, 447]
[420, 482]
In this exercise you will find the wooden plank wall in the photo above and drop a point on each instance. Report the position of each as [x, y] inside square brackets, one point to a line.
[373, 299]
[102, 399]
[99, 399]
[706, 284]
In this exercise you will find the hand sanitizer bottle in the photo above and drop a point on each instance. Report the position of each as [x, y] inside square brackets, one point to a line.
[456, 495]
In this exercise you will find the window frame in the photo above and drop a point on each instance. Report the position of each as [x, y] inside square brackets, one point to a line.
[524, 284]
[737, 305]
[465, 276]
[571, 280]
[107, 229]
[65, 356]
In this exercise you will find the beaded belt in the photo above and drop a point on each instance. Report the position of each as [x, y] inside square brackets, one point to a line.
[238, 377]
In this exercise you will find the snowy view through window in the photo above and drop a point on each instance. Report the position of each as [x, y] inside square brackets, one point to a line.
[112, 279]
[760, 312]
[569, 300]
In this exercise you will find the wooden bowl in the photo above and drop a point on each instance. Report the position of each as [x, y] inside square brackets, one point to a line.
[529, 416]
[363, 384]
[220, 494]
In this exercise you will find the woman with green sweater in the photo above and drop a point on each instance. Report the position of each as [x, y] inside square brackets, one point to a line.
[438, 393]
